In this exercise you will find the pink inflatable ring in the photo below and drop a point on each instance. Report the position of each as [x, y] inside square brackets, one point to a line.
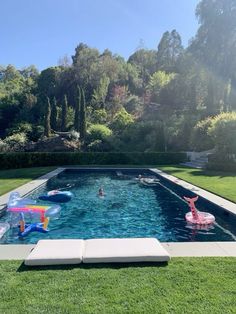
[196, 217]
[202, 219]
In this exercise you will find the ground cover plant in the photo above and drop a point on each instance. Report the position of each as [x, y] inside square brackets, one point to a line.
[218, 182]
[186, 285]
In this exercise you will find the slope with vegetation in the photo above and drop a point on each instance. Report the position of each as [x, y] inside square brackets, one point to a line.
[158, 100]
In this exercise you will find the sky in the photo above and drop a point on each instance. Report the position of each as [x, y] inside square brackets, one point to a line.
[40, 32]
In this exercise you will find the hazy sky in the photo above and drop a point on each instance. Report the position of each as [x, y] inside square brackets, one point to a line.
[40, 32]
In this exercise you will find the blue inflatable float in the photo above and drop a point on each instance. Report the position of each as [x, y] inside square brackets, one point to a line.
[57, 196]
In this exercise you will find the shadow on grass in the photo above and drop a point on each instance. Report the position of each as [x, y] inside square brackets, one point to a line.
[24, 268]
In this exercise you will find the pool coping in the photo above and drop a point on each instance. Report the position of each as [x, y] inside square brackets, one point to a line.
[175, 249]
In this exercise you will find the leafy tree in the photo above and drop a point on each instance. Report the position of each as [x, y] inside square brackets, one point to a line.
[64, 114]
[157, 82]
[170, 49]
[77, 110]
[100, 93]
[47, 122]
[214, 44]
[83, 122]
[54, 114]
[121, 120]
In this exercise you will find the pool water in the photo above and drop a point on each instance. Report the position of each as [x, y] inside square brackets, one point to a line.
[128, 209]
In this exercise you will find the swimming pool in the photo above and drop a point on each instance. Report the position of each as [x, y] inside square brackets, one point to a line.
[129, 209]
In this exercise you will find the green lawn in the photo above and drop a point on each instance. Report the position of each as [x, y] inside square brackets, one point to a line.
[186, 285]
[10, 179]
[218, 182]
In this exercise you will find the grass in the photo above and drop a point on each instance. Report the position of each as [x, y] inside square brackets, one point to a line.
[186, 285]
[218, 182]
[10, 179]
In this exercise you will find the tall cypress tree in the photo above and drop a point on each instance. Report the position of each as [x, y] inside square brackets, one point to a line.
[54, 114]
[47, 124]
[77, 110]
[82, 125]
[64, 113]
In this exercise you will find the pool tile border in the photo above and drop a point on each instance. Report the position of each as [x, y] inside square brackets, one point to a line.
[175, 249]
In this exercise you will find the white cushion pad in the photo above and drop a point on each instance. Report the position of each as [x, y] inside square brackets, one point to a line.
[56, 252]
[124, 250]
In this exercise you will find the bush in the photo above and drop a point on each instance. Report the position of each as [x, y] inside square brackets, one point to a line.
[24, 160]
[223, 132]
[121, 120]
[222, 162]
[200, 138]
[98, 132]
[16, 142]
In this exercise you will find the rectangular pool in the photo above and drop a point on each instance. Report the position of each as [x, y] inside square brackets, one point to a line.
[129, 209]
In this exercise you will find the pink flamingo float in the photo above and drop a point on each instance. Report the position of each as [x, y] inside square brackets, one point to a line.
[197, 217]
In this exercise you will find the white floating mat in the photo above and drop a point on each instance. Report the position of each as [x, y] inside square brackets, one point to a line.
[124, 251]
[56, 252]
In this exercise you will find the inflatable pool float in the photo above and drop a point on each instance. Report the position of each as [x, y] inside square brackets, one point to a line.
[57, 196]
[4, 227]
[197, 217]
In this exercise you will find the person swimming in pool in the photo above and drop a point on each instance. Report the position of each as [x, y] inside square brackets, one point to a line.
[101, 192]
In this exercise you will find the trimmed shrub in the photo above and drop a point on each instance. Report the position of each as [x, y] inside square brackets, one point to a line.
[24, 160]
[222, 162]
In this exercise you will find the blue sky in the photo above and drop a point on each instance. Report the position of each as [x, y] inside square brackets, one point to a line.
[40, 32]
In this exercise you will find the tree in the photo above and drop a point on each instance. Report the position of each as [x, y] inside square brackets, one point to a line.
[54, 114]
[47, 124]
[157, 82]
[82, 127]
[77, 110]
[214, 45]
[170, 49]
[64, 114]
[100, 93]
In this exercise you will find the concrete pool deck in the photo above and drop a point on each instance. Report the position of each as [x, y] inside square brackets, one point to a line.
[175, 249]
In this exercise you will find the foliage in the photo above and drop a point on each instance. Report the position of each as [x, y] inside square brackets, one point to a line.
[47, 123]
[99, 116]
[77, 109]
[98, 132]
[121, 120]
[37, 159]
[64, 113]
[82, 115]
[152, 101]
[143, 136]
[157, 82]
[223, 132]
[200, 139]
[16, 141]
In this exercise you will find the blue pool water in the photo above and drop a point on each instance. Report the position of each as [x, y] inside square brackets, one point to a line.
[128, 209]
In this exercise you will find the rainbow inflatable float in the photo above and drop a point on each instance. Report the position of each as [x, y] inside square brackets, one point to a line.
[28, 209]
[197, 217]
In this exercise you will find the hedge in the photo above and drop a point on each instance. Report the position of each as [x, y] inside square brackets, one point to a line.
[221, 162]
[26, 160]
